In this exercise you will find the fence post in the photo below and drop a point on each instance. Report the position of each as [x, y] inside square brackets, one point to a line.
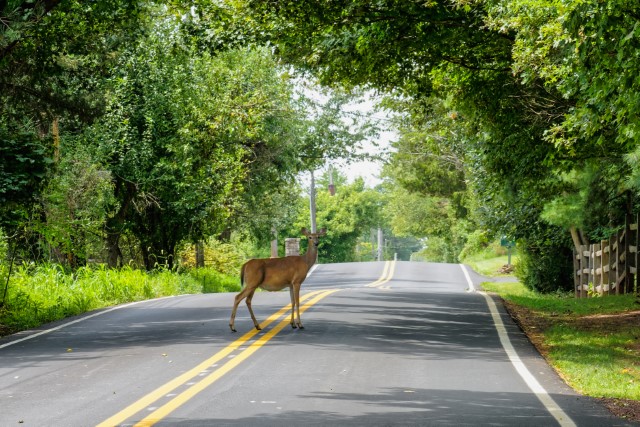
[597, 263]
[592, 267]
[617, 261]
[576, 272]
[612, 276]
[584, 271]
[637, 257]
[604, 278]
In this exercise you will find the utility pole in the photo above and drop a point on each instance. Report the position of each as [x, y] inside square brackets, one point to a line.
[312, 203]
[332, 187]
[380, 244]
[274, 242]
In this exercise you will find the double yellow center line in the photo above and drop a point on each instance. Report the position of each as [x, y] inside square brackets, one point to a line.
[387, 274]
[204, 367]
[211, 372]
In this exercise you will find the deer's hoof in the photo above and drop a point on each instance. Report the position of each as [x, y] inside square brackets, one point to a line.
[300, 326]
[232, 328]
[258, 327]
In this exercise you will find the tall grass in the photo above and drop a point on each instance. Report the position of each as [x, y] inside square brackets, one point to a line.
[44, 293]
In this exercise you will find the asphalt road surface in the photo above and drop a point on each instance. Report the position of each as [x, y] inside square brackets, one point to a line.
[385, 343]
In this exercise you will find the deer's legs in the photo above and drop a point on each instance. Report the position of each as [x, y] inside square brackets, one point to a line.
[253, 317]
[241, 295]
[296, 296]
[293, 305]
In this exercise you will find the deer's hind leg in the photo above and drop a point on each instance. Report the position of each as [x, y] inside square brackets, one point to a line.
[253, 317]
[295, 290]
[245, 293]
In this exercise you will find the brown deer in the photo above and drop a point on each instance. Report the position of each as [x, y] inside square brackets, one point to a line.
[275, 274]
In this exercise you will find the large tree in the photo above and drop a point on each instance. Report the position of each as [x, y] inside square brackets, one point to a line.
[547, 88]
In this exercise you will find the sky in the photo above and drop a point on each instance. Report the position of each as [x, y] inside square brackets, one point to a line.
[369, 170]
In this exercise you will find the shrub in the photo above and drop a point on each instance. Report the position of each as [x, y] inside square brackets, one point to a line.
[226, 258]
[546, 268]
[476, 243]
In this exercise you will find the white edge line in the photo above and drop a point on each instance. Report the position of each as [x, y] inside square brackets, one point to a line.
[471, 287]
[563, 419]
[313, 268]
[73, 322]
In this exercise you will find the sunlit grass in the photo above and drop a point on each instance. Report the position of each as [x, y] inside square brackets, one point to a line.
[45, 293]
[489, 266]
[594, 357]
[561, 303]
[597, 363]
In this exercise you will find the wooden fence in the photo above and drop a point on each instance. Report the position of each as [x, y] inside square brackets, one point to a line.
[608, 267]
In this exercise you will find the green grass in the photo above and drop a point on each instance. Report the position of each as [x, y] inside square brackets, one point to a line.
[489, 266]
[597, 363]
[597, 353]
[561, 303]
[45, 293]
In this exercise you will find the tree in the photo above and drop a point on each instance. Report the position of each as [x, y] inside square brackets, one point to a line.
[347, 216]
[182, 151]
[75, 206]
[543, 89]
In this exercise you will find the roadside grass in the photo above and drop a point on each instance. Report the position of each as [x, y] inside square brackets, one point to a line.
[489, 266]
[594, 343]
[45, 293]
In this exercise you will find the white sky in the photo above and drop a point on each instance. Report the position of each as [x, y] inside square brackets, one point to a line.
[369, 170]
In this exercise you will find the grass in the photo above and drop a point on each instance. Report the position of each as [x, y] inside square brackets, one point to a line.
[597, 363]
[489, 266]
[561, 303]
[592, 342]
[45, 293]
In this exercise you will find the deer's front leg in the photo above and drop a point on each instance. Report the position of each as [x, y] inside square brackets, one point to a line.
[296, 297]
[293, 305]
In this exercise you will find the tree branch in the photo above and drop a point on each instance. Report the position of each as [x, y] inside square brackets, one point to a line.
[46, 7]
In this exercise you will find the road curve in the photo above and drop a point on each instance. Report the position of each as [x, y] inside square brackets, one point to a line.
[385, 343]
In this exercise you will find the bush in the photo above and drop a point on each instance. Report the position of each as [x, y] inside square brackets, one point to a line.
[212, 281]
[225, 258]
[476, 242]
[437, 249]
[546, 268]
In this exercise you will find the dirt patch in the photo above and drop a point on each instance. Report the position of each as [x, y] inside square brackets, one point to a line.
[534, 324]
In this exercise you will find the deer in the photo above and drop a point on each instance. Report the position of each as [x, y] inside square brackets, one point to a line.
[275, 274]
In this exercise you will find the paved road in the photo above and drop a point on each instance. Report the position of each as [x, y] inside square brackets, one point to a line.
[384, 344]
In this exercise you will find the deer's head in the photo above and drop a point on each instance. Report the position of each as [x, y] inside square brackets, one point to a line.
[314, 237]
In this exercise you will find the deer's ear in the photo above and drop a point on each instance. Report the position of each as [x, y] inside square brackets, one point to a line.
[304, 231]
[322, 231]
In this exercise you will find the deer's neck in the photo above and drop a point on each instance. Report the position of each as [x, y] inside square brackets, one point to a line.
[311, 254]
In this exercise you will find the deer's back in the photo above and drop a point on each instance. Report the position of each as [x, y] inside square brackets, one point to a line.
[274, 274]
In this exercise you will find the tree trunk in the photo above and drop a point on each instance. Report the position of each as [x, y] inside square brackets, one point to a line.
[225, 236]
[200, 254]
[114, 253]
[146, 257]
[578, 238]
